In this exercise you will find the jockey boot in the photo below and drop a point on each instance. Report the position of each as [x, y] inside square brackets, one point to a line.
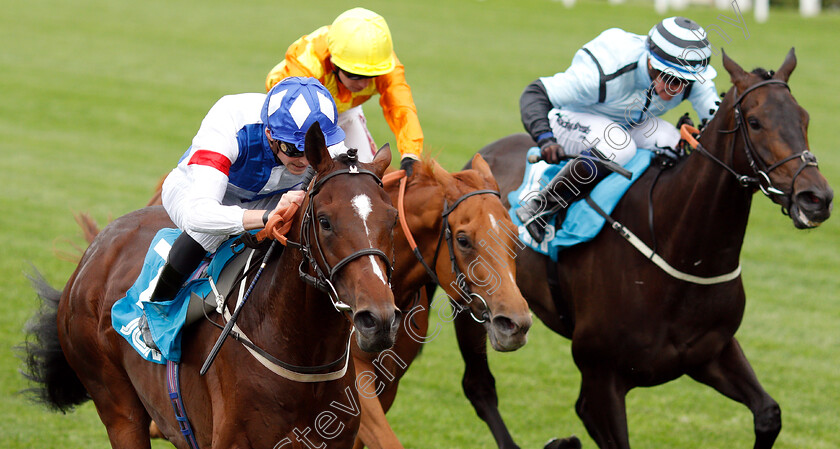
[184, 257]
[574, 181]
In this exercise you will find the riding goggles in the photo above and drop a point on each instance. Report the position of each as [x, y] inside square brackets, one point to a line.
[355, 76]
[670, 80]
[288, 149]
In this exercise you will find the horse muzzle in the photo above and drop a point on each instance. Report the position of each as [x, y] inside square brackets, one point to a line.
[376, 330]
[508, 332]
[810, 208]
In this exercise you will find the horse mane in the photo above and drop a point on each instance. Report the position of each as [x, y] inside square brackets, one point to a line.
[762, 73]
[343, 158]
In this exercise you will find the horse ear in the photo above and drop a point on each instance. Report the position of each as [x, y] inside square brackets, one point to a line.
[787, 67]
[480, 165]
[442, 176]
[381, 160]
[315, 148]
[736, 73]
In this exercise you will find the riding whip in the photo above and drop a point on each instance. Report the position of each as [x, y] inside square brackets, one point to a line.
[607, 163]
[307, 178]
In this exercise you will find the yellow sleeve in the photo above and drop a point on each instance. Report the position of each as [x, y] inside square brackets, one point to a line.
[400, 111]
[305, 57]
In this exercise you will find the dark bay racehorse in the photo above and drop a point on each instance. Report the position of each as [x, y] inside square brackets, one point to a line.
[630, 323]
[349, 220]
[460, 226]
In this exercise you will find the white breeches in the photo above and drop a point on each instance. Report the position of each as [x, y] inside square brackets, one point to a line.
[357, 136]
[579, 131]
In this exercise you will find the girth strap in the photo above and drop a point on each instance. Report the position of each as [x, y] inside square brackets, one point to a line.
[173, 386]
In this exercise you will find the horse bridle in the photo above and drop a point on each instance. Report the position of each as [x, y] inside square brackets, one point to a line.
[446, 234]
[761, 170]
[323, 279]
[320, 281]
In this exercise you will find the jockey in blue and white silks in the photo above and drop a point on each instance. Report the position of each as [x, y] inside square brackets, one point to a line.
[610, 99]
[246, 162]
[231, 166]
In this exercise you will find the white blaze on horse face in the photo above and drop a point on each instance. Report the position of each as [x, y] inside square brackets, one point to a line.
[362, 206]
[494, 223]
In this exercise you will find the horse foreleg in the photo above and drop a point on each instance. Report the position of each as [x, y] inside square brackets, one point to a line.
[732, 375]
[374, 430]
[478, 382]
[601, 406]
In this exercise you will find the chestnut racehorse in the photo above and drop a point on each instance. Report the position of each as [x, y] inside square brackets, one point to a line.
[484, 253]
[459, 225]
[77, 355]
[631, 323]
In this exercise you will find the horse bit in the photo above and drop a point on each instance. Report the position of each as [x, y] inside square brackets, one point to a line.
[759, 167]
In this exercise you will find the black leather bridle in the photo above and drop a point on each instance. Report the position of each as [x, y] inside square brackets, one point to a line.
[761, 170]
[323, 278]
[460, 278]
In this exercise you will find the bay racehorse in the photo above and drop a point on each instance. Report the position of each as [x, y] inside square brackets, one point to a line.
[76, 354]
[437, 209]
[631, 323]
[466, 243]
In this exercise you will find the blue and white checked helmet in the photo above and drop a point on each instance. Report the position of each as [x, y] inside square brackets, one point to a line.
[294, 104]
[680, 47]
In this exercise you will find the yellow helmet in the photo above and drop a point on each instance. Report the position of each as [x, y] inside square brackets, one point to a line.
[360, 42]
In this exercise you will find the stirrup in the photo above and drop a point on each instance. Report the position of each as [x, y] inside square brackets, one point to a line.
[146, 333]
[536, 229]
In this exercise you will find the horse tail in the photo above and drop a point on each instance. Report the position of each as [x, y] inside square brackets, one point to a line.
[156, 200]
[44, 362]
[89, 227]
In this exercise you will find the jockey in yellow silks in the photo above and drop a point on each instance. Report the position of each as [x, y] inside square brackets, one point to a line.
[354, 59]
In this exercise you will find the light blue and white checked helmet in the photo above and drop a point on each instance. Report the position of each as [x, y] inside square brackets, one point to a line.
[680, 47]
[293, 105]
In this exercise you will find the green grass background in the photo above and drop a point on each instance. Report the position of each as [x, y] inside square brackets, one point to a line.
[99, 98]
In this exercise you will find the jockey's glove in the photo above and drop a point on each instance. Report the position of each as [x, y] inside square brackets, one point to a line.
[407, 164]
[550, 150]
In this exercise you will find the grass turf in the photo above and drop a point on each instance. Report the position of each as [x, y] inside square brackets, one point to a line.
[100, 98]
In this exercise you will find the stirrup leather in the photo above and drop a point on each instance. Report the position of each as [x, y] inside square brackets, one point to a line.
[146, 332]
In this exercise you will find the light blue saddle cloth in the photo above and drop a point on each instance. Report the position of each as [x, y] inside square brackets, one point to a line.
[582, 223]
[166, 318]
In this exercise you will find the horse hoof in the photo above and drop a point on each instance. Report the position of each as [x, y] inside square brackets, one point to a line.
[566, 443]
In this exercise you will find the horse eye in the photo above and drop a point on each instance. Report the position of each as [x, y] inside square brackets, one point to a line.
[463, 241]
[325, 224]
[754, 124]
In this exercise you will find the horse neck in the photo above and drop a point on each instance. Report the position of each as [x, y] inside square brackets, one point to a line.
[708, 210]
[289, 318]
[423, 210]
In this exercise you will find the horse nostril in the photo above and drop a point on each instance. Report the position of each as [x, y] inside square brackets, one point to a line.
[364, 320]
[504, 324]
[395, 323]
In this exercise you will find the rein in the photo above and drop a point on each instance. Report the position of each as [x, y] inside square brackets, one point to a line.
[761, 170]
[445, 234]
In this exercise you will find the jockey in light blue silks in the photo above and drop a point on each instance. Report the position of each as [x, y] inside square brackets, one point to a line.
[610, 99]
